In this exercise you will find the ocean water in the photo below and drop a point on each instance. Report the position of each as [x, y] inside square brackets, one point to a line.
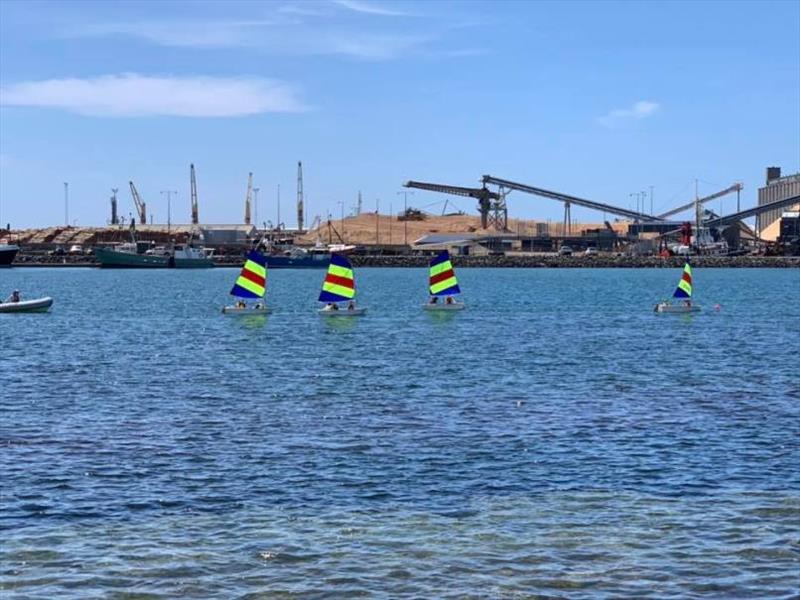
[557, 439]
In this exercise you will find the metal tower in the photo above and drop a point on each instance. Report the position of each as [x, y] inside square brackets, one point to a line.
[247, 199]
[195, 210]
[299, 196]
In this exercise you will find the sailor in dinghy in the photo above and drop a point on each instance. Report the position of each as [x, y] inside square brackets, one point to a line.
[443, 285]
[251, 284]
[339, 285]
[15, 304]
[683, 293]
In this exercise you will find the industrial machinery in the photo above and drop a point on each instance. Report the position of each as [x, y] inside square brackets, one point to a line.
[141, 208]
[247, 199]
[492, 205]
[114, 217]
[736, 187]
[193, 183]
[300, 199]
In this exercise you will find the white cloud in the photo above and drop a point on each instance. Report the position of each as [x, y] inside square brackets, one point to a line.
[192, 34]
[132, 95]
[639, 110]
[369, 8]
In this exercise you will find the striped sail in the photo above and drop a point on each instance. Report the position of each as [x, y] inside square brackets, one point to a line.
[443, 280]
[252, 281]
[684, 289]
[339, 284]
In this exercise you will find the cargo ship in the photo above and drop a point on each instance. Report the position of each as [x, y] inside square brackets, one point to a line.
[7, 254]
[179, 256]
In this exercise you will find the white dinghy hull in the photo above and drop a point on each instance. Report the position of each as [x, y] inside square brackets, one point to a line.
[238, 310]
[26, 306]
[342, 312]
[676, 309]
[444, 306]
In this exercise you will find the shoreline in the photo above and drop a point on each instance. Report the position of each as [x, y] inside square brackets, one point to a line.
[508, 262]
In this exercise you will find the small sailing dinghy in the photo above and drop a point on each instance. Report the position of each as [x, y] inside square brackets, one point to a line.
[250, 285]
[443, 285]
[683, 293]
[338, 286]
[26, 306]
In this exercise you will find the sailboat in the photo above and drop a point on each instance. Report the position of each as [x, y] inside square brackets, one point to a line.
[338, 286]
[683, 293]
[250, 285]
[443, 285]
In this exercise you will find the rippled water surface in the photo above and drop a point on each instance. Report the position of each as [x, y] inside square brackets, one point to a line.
[557, 439]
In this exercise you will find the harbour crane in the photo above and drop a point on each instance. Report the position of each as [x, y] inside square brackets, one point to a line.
[141, 208]
[247, 199]
[193, 184]
[736, 187]
[492, 205]
[300, 199]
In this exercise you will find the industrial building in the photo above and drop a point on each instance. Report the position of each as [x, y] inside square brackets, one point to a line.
[777, 188]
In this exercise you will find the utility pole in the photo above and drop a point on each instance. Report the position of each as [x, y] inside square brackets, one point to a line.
[405, 194]
[66, 203]
[377, 221]
[651, 200]
[279, 207]
[255, 200]
[169, 207]
[391, 217]
[247, 199]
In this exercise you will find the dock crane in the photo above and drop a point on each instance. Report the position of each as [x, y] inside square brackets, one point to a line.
[492, 205]
[193, 183]
[247, 199]
[736, 187]
[141, 208]
[300, 200]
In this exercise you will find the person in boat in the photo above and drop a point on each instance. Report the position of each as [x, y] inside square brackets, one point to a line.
[241, 304]
[434, 300]
[351, 305]
[14, 297]
[449, 300]
[687, 303]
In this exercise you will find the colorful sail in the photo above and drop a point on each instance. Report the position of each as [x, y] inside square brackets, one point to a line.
[443, 280]
[252, 281]
[684, 289]
[339, 284]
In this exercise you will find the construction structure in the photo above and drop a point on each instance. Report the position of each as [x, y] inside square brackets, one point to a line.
[141, 208]
[491, 205]
[193, 186]
[300, 199]
[777, 188]
[247, 199]
[114, 215]
[736, 187]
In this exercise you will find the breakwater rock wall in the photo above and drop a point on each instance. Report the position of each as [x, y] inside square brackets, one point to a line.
[520, 262]
[597, 261]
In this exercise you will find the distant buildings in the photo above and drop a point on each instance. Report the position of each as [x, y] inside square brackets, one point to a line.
[777, 188]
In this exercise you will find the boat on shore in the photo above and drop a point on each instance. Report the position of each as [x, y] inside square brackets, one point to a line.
[683, 293]
[7, 254]
[27, 306]
[338, 286]
[177, 256]
[442, 283]
[250, 285]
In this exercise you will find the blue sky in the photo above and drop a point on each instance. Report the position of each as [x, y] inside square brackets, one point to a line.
[593, 99]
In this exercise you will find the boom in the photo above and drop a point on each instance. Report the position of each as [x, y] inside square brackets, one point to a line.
[736, 187]
[750, 212]
[488, 201]
[566, 199]
[139, 203]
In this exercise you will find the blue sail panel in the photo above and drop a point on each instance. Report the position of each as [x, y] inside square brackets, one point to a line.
[326, 296]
